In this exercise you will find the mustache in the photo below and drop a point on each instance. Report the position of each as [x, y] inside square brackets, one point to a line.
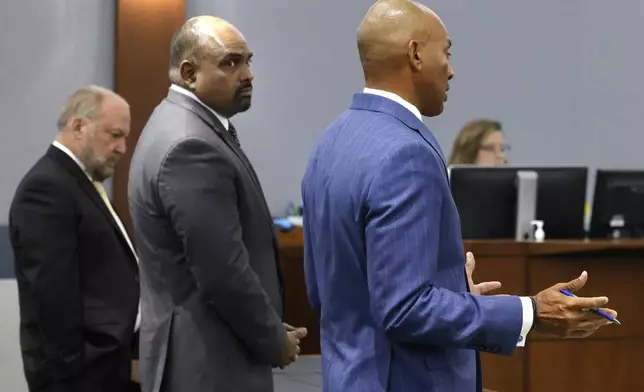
[244, 86]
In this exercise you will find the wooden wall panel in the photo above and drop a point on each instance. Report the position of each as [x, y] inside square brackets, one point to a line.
[505, 373]
[510, 270]
[586, 365]
[144, 29]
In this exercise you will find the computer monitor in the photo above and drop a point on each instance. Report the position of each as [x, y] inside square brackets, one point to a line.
[618, 204]
[486, 199]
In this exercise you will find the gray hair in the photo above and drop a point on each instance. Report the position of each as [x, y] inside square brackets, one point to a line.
[84, 102]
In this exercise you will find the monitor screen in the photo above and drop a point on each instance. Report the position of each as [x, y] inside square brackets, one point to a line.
[486, 199]
[618, 204]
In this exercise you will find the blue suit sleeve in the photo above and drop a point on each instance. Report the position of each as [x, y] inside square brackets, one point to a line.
[404, 217]
[309, 273]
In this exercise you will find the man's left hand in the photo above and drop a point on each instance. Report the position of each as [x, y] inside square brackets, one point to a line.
[297, 331]
[135, 371]
[483, 287]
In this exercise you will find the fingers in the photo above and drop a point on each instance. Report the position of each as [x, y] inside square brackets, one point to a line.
[610, 312]
[587, 303]
[299, 333]
[296, 355]
[470, 262]
[485, 287]
[576, 284]
[588, 321]
[587, 328]
[289, 328]
[580, 334]
[135, 371]
[592, 324]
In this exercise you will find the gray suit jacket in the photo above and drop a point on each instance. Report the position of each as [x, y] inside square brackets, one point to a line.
[211, 286]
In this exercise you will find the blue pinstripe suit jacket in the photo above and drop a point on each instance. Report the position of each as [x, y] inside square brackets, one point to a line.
[384, 260]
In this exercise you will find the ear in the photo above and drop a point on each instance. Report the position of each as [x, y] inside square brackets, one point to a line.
[77, 126]
[188, 73]
[413, 53]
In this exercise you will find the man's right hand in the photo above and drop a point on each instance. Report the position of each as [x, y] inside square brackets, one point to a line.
[292, 349]
[569, 317]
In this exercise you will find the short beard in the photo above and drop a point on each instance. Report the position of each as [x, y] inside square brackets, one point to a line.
[98, 171]
[240, 104]
[101, 173]
[242, 107]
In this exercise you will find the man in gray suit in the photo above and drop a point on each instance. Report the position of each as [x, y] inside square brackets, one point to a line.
[211, 286]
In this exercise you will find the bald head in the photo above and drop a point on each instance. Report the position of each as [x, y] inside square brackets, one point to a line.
[388, 28]
[198, 37]
[403, 46]
[210, 58]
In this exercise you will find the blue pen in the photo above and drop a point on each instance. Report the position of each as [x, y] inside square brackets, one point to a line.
[596, 311]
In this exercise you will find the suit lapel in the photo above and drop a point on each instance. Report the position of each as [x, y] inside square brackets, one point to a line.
[84, 183]
[377, 103]
[216, 125]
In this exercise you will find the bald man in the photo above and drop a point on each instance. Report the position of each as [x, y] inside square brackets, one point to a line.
[212, 289]
[384, 260]
[76, 269]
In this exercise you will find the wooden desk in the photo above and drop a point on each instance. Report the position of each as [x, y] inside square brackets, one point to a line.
[611, 360]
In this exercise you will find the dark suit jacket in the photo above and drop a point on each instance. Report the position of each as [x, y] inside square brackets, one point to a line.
[211, 287]
[77, 281]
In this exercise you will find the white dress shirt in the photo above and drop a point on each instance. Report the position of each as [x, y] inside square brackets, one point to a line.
[396, 98]
[181, 90]
[69, 152]
[526, 302]
[116, 218]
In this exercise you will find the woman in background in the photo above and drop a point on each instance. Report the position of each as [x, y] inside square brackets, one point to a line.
[480, 142]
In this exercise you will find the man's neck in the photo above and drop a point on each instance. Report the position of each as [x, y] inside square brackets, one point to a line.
[182, 90]
[394, 88]
[63, 139]
[396, 98]
[62, 143]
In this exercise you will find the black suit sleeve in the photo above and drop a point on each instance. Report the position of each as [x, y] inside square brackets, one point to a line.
[44, 237]
[197, 188]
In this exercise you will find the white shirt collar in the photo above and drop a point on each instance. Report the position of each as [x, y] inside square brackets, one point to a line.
[396, 98]
[181, 90]
[69, 152]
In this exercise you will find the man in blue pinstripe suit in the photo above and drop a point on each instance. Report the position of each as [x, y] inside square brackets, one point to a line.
[384, 259]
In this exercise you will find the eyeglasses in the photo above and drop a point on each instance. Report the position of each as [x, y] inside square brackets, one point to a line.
[496, 148]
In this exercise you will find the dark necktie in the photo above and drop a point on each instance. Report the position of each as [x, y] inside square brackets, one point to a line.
[233, 133]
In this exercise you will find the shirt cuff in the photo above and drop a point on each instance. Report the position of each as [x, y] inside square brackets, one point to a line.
[528, 320]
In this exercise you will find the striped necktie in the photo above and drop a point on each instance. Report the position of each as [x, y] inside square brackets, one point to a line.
[233, 133]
